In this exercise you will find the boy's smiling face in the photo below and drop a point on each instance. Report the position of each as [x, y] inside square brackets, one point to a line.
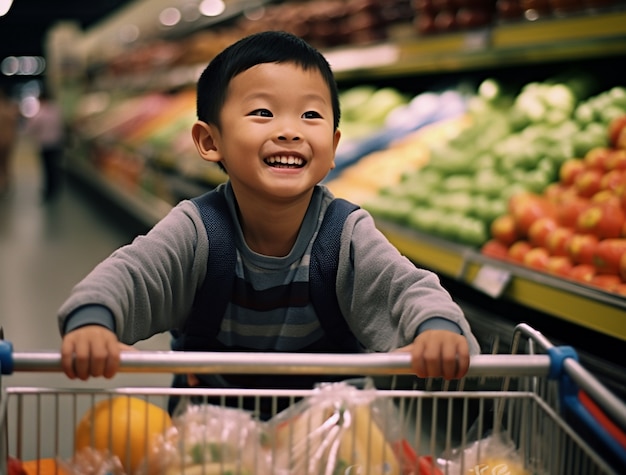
[276, 137]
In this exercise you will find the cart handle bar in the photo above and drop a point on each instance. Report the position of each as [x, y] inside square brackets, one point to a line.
[379, 364]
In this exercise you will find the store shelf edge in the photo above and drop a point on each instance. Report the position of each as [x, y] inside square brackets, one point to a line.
[146, 208]
[553, 39]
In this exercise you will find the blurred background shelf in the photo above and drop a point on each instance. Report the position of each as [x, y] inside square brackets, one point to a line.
[570, 301]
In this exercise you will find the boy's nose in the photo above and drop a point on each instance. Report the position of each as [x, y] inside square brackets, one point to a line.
[289, 136]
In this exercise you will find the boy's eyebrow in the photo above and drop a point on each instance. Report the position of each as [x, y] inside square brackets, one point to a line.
[264, 95]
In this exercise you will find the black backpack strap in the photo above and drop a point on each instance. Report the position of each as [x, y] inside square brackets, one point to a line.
[214, 295]
[323, 275]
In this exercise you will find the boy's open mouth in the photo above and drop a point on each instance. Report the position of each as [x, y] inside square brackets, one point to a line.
[285, 161]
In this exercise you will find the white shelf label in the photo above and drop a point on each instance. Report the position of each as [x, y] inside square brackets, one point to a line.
[477, 40]
[492, 280]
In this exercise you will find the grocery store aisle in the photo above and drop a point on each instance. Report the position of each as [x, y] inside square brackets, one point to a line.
[45, 248]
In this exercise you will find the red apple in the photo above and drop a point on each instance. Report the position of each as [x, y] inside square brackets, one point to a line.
[615, 129]
[537, 258]
[570, 169]
[597, 158]
[588, 182]
[504, 230]
[608, 254]
[559, 265]
[518, 250]
[496, 249]
[557, 241]
[582, 273]
[540, 229]
[605, 221]
[582, 247]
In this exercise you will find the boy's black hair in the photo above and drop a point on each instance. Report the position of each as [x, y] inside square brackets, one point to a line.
[259, 48]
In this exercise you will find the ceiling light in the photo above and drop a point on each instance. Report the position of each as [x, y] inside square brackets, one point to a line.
[170, 16]
[212, 7]
[5, 6]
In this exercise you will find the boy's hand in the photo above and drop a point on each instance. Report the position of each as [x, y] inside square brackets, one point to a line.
[439, 353]
[92, 350]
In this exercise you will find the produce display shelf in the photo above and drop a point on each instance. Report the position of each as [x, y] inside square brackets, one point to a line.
[143, 206]
[531, 42]
[568, 300]
[578, 304]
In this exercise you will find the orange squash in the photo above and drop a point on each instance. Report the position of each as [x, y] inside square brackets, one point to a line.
[124, 426]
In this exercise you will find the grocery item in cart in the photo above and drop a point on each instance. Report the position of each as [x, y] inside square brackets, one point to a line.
[125, 426]
[210, 440]
[494, 454]
[339, 429]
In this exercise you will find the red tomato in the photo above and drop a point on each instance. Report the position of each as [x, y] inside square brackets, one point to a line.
[582, 247]
[529, 208]
[620, 289]
[606, 197]
[494, 248]
[608, 282]
[597, 158]
[615, 129]
[605, 221]
[558, 239]
[583, 273]
[608, 254]
[540, 229]
[617, 161]
[537, 258]
[559, 265]
[503, 229]
[570, 209]
[518, 250]
[622, 267]
[588, 182]
[570, 170]
[613, 180]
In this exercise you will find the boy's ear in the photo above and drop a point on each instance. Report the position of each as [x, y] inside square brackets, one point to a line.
[336, 137]
[204, 139]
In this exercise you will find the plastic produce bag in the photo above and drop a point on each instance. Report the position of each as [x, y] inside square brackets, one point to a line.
[90, 461]
[337, 430]
[492, 455]
[211, 440]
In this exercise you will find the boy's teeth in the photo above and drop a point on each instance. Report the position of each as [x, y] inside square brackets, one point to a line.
[289, 160]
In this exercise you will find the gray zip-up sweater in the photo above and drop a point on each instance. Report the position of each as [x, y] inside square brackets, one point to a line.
[148, 286]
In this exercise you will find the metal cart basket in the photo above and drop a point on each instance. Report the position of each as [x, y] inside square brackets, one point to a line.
[543, 409]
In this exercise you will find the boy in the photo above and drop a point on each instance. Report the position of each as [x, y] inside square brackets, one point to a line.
[268, 113]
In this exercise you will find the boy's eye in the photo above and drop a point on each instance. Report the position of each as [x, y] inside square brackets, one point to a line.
[312, 115]
[261, 113]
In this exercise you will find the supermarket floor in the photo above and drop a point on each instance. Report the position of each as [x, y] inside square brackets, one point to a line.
[45, 248]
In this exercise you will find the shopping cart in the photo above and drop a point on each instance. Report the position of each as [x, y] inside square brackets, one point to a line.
[548, 411]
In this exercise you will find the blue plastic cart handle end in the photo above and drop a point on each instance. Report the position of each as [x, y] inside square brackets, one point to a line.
[6, 357]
